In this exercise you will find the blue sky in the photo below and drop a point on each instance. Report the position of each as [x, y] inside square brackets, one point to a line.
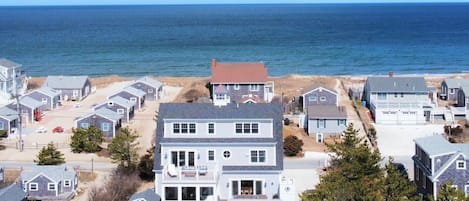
[124, 2]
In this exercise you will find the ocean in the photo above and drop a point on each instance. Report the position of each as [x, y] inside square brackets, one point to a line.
[309, 39]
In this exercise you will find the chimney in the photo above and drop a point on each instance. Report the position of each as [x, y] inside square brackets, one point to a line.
[214, 63]
[391, 74]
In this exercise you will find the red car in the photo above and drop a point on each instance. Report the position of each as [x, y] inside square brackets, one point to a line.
[58, 129]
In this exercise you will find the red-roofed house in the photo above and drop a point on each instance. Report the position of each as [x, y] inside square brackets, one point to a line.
[241, 83]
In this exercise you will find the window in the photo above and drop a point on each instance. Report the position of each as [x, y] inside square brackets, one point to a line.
[257, 156]
[192, 128]
[395, 95]
[402, 95]
[51, 186]
[246, 187]
[255, 128]
[211, 155]
[85, 125]
[451, 91]
[33, 187]
[67, 183]
[211, 128]
[133, 99]
[176, 128]
[150, 90]
[106, 126]
[171, 193]
[382, 96]
[341, 122]
[322, 98]
[460, 164]
[236, 87]
[220, 96]
[110, 103]
[226, 154]
[120, 111]
[321, 123]
[253, 87]
[246, 128]
[2, 126]
[313, 97]
[189, 193]
[183, 128]
[205, 192]
[44, 100]
[239, 128]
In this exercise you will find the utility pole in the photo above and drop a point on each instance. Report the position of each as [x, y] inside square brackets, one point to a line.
[17, 98]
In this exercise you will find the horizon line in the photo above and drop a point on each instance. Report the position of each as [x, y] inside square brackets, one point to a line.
[218, 4]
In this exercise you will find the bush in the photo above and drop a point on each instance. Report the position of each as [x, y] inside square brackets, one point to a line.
[86, 140]
[121, 185]
[145, 166]
[453, 131]
[49, 155]
[292, 146]
[3, 133]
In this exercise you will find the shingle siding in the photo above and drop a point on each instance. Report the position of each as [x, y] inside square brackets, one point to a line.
[97, 122]
[331, 98]
[126, 95]
[42, 191]
[236, 95]
[51, 103]
[128, 113]
[150, 96]
[331, 126]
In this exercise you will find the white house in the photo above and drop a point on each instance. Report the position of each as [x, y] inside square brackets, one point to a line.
[12, 80]
[232, 152]
[398, 100]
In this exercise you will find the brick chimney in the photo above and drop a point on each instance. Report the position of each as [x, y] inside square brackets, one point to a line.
[214, 63]
[391, 74]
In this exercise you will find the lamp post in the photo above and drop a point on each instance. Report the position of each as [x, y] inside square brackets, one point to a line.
[92, 164]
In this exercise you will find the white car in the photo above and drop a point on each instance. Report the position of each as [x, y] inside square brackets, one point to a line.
[41, 129]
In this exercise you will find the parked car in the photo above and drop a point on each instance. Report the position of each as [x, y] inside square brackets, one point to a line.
[41, 129]
[58, 129]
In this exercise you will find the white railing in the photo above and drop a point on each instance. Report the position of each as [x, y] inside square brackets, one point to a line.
[190, 173]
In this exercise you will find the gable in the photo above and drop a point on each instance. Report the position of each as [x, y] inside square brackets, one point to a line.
[320, 89]
[40, 178]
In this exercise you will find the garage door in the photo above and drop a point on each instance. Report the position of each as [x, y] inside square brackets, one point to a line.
[408, 117]
[389, 117]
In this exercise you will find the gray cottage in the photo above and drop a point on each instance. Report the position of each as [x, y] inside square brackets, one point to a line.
[398, 100]
[463, 97]
[70, 87]
[13, 192]
[133, 95]
[49, 183]
[147, 195]
[450, 88]
[319, 95]
[152, 88]
[240, 83]
[227, 152]
[105, 119]
[48, 96]
[8, 120]
[436, 161]
[31, 109]
[119, 105]
[326, 119]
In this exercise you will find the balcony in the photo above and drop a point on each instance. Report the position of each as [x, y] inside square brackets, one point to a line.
[190, 174]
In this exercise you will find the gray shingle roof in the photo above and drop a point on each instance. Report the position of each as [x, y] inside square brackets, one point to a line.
[107, 113]
[12, 193]
[149, 81]
[121, 101]
[437, 144]
[56, 173]
[8, 113]
[134, 91]
[465, 90]
[231, 111]
[326, 112]
[456, 83]
[8, 63]
[65, 82]
[30, 102]
[147, 195]
[48, 91]
[397, 84]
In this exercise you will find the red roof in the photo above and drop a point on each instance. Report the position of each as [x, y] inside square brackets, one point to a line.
[238, 72]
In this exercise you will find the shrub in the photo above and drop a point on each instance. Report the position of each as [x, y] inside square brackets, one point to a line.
[3, 133]
[292, 146]
[121, 185]
[49, 155]
[86, 140]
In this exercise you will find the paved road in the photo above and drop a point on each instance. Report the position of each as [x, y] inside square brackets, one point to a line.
[79, 164]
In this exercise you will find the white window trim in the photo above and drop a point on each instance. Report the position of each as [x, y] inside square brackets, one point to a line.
[258, 151]
[150, 90]
[108, 125]
[82, 125]
[49, 186]
[322, 98]
[44, 100]
[120, 111]
[254, 87]
[180, 128]
[133, 99]
[466, 189]
[208, 128]
[236, 87]
[69, 183]
[263, 191]
[457, 164]
[2, 126]
[313, 97]
[31, 184]
[223, 154]
[451, 91]
[208, 155]
[250, 128]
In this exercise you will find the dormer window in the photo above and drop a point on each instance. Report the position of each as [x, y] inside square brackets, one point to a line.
[254, 87]
[236, 87]
[460, 165]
